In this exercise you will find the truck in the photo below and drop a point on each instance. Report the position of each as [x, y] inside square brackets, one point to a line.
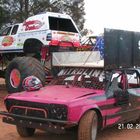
[23, 46]
[88, 94]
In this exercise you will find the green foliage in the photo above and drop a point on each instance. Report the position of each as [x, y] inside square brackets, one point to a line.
[18, 10]
[74, 8]
[4, 18]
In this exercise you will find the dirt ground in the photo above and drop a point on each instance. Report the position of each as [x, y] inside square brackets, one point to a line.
[8, 132]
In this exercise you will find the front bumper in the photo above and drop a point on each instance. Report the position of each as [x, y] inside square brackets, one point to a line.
[35, 122]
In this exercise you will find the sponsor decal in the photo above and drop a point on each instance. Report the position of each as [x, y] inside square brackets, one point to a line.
[7, 41]
[87, 72]
[65, 33]
[66, 38]
[32, 25]
[20, 44]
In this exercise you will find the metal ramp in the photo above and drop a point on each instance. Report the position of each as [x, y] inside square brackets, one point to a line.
[78, 59]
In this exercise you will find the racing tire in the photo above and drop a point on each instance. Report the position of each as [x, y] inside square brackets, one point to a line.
[25, 131]
[88, 126]
[20, 68]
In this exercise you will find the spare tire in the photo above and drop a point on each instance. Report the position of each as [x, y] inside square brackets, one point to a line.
[20, 68]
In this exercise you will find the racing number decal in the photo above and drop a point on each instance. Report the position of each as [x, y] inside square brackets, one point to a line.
[7, 41]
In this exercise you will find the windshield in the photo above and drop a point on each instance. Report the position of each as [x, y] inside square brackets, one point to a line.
[79, 80]
[6, 31]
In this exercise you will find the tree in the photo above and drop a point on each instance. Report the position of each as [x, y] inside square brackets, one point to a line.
[74, 8]
[3, 15]
[19, 10]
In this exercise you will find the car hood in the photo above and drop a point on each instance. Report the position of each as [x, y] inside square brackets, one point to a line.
[55, 94]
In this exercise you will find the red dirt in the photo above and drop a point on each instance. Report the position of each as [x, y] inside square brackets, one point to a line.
[8, 132]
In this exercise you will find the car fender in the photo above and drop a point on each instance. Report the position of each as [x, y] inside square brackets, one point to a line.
[77, 113]
[87, 108]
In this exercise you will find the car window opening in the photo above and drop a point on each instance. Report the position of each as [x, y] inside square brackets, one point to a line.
[77, 80]
[61, 24]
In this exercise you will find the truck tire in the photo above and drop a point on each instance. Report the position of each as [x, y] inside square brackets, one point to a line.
[25, 131]
[19, 69]
[88, 124]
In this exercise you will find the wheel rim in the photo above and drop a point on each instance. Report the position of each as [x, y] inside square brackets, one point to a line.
[15, 78]
[94, 127]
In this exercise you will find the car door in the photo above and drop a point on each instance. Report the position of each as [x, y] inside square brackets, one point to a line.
[117, 99]
[14, 36]
[133, 90]
[9, 39]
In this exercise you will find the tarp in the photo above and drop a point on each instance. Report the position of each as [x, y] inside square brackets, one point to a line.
[122, 49]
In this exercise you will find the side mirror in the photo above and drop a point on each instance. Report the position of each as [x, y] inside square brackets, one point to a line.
[31, 83]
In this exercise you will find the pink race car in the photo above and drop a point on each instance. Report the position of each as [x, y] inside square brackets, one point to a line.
[89, 102]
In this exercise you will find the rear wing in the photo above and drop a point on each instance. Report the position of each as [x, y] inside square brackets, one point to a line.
[78, 59]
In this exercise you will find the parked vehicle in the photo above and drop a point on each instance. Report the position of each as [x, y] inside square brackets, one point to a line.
[36, 38]
[80, 100]
[88, 93]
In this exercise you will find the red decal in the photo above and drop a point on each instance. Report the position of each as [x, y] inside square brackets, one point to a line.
[7, 41]
[64, 44]
[108, 102]
[32, 25]
[66, 38]
[113, 120]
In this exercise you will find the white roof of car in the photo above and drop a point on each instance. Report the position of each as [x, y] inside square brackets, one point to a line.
[52, 14]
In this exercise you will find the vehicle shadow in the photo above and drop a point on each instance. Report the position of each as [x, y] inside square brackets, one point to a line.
[107, 134]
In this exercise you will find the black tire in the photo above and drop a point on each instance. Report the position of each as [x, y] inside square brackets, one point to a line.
[26, 66]
[25, 132]
[88, 124]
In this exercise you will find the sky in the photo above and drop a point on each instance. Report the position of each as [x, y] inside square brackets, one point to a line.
[117, 14]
